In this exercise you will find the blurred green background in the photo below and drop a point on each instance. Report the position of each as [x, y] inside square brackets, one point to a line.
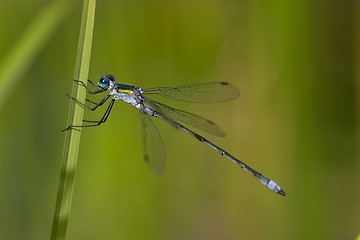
[295, 63]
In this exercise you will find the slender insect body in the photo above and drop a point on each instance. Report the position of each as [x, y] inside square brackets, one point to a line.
[154, 154]
[264, 180]
[148, 110]
[273, 186]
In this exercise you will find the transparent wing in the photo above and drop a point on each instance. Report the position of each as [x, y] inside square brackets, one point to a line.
[189, 118]
[210, 92]
[153, 145]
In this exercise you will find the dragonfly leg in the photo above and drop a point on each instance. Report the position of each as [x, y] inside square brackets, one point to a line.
[96, 104]
[97, 90]
[103, 118]
[94, 123]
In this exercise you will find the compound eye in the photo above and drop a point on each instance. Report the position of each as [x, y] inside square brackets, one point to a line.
[103, 83]
[110, 77]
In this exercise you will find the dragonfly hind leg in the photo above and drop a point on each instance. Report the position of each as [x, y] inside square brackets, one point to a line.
[94, 122]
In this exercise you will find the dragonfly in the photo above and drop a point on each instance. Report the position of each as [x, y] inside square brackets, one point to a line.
[153, 145]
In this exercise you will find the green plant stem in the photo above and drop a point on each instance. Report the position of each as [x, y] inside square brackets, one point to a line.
[72, 137]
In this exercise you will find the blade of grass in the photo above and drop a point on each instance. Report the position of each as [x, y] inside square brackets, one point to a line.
[72, 137]
[30, 44]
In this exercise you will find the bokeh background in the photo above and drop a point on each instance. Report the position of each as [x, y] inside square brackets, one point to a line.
[296, 64]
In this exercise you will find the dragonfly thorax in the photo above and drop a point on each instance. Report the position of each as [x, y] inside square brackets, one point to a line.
[127, 93]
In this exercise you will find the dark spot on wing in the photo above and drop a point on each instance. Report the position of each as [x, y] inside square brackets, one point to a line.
[224, 83]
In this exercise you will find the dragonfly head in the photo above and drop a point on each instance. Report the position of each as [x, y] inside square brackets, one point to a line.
[105, 81]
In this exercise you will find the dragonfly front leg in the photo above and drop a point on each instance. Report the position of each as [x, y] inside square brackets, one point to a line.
[97, 90]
